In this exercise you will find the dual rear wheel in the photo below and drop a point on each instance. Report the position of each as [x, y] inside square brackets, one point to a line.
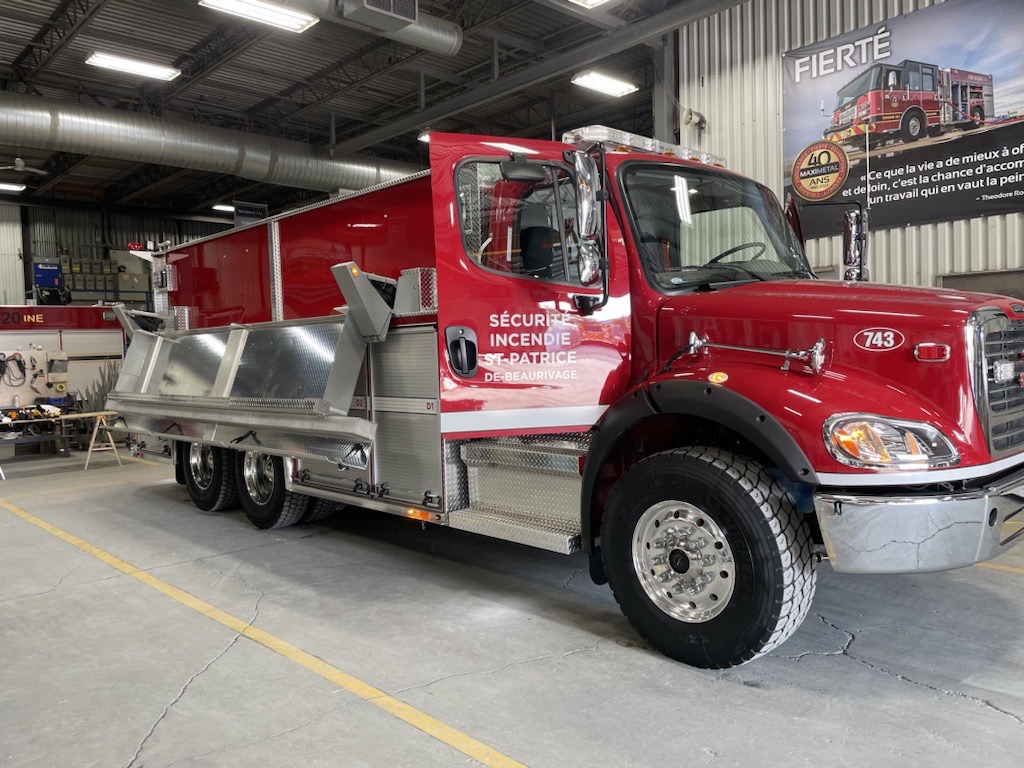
[217, 478]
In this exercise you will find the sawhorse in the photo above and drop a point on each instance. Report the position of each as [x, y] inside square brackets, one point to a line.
[101, 423]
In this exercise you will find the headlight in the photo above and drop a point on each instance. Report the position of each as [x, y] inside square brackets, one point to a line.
[866, 440]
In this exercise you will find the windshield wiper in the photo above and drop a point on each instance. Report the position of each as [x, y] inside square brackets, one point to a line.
[734, 267]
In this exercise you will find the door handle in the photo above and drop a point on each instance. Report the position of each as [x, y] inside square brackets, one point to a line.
[461, 343]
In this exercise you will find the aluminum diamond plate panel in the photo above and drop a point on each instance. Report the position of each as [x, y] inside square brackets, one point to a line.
[287, 362]
[552, 534]
[190, 365]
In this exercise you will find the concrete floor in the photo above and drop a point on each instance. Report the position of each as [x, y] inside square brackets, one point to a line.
[511, 646]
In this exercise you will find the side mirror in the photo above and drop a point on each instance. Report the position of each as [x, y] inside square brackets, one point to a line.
[891, 84]
[587, 184]
[854, 246]
[589, 262]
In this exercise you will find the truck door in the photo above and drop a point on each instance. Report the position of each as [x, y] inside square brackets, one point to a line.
[517, 355]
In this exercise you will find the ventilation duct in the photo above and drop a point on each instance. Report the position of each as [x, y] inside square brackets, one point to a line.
[398, 20]
[64, 126]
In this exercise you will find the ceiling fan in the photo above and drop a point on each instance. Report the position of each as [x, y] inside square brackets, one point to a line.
[20, 167]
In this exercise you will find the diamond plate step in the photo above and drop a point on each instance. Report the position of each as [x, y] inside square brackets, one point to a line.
[556, 457]
[550, 533]
[524, 491]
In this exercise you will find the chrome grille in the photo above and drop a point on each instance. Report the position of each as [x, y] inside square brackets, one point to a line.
[1003, 402]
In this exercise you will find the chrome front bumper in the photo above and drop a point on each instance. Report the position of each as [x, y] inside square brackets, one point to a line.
[906, 534]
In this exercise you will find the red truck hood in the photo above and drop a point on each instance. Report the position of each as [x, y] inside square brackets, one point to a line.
[870, 331]
[807, 301]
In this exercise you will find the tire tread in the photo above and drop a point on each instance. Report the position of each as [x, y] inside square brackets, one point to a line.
[788, 528]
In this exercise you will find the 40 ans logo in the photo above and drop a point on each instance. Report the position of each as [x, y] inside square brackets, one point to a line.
[820, 171]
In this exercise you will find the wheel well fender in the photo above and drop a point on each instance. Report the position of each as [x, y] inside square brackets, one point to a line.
[913, 110]
[694, 400]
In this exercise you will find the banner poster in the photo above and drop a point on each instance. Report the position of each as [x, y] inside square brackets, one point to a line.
[919, 118]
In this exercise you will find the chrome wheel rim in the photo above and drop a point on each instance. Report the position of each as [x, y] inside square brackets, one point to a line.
[915, 126]
[200, 464]
[683, 561]
[258, 474]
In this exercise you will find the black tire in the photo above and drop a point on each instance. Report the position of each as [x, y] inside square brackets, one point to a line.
[209, 476]
[318, 509]
[913, 126]
[756, 574]
[179, 461]
[265, 500]
[977, 119]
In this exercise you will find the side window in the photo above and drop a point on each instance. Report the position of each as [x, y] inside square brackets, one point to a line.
[520, 228]
[928, 75]
[914, 70]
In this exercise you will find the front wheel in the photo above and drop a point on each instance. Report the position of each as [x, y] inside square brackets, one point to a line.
[265, 500]
[913, 127]
[707, 556]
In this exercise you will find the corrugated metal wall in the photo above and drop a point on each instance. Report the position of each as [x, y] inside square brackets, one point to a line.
[90, 234]
[730, 70]
[12, 270]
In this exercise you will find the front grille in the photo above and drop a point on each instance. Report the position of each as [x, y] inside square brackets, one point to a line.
[1004, 402]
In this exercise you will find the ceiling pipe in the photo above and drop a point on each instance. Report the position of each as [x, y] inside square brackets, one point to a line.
[428, 32]
[33, 122]
[481, 94]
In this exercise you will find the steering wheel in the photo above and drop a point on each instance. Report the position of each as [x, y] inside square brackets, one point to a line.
[760, 246]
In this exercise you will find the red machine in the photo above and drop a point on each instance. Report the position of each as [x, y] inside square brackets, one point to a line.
[606, 344]
[907, 101]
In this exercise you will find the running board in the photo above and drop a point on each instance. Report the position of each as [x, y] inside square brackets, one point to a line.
[527, 491]
[554, 534]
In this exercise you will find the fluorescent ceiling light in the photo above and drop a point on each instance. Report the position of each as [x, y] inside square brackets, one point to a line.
[268, 13]
[224, 208]
[589, 3]
[133, 66]
[4, 187]
[608, 85]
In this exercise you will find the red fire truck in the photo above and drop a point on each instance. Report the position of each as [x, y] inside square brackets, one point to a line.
[908, 100]
[604, 344]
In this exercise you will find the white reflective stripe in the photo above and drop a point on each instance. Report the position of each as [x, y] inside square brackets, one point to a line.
[522, 419]
[894, 477]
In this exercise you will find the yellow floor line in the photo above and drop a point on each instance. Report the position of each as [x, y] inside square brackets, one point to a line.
[1001, 567]
[469, 746]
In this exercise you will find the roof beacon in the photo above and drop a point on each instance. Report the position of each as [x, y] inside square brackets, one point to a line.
[623, 141]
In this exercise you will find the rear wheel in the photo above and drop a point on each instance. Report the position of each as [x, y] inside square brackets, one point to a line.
[261, 490]
[707, 556]
[209, 476]
[977, 119]
[318, 509]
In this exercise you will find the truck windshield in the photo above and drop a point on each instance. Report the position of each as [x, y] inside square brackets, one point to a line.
[868, 80]
[694, 227]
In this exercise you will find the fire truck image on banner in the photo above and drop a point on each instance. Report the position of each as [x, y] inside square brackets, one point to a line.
[907, 102]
